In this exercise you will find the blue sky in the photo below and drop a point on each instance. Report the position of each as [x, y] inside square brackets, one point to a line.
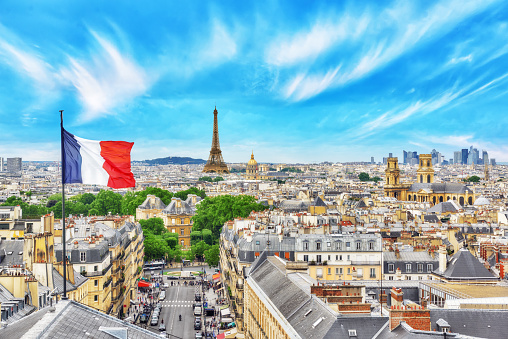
[295, 81]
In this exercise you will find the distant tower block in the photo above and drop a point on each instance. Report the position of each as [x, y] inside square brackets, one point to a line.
[215, 162]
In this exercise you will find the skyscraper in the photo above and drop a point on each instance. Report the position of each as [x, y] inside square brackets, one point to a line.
[464, 156]
[485, 157]
[14, 165]
[457, 157]
[1, 164]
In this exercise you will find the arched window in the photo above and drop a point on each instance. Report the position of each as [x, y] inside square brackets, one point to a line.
[470, 200]
[434, 200]
[428, 178]
[461, 201]
[409, 197]
[421, 178]
[441, 199]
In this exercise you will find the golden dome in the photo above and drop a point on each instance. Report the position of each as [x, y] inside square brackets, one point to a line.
[252, 162]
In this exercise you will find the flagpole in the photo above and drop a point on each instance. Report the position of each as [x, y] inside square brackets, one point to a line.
[64, 256]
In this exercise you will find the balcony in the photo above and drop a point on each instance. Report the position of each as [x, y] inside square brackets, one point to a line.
[371, 263]
[96, 273]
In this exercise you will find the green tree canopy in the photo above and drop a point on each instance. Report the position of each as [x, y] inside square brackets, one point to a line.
[473, 178]
[107, 202]
[212, 213]
[207, 236]
[212, 255]
[364, 176]
[195, 237]
[153, 225]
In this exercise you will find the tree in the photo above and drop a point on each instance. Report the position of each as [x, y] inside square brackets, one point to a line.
[153, 225]
[86, 198]
[207, 236]
[212, 255]
[376, 179]
[364, 176]
[155, 246]
[212, 213]
[195, 237]
[205, 178]
[218, 179]
[171, 239]
[199, 249]
[107, 202]
[473, 178]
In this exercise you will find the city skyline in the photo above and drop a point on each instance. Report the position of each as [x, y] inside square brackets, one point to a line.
[294, 82]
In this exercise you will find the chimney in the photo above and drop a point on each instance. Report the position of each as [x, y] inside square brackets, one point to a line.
[397, 296]
[397, 253]
[497, 254]
[442, 258]
[415, 316]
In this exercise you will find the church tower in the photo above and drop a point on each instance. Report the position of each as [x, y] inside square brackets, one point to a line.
[393, 188]
[486, 172]
[425, 172]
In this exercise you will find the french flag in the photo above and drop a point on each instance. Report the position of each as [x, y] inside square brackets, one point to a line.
[106, 163]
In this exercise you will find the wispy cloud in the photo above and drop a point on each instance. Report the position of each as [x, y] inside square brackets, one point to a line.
[307, 45]
[109, 79]
[407, 28]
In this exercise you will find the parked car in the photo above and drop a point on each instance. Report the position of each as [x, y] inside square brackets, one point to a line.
[197, 310]
[143, 318]
[198, 335]
[162, 295]
[197, 324]
[162, 327]
[165, 285]
[197, 297]
[155, 321]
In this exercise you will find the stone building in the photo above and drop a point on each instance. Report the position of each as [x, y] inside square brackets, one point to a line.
[425, 190]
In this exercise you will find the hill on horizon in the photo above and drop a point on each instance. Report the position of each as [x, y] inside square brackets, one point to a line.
[175, 161]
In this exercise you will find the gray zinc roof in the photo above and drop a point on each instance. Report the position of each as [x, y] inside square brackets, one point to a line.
[464, 266]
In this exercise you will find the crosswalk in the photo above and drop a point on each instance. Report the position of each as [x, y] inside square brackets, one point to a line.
[177, 303]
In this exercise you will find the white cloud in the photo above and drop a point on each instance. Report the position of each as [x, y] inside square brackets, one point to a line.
[322, 36]
[396, 31]
[107, 80]
[220, 47]
[467, 58]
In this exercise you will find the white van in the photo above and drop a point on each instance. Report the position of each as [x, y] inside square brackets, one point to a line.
[197, 310]
[162, 295]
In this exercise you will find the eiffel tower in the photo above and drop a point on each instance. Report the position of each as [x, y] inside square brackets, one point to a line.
[215, 162]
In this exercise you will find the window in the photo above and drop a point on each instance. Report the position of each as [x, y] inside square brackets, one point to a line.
[173, 230]
[82, 269]
[328, 244]
[371, 245]
[182, 231]
[96, 298]
[390, 277]
[408, 277]
[182, 243]
[329, 270]
[348, 257]
[340, 257]
[348, 270]
[340, 270]
[348, 244]
[430, 267]
[306, 258]
[372, 272]
[173, 221]
[336, 257]
[257, 242]
[352, 333]
[420, 268]
[318, 258]
[408, 268]
[96, 282]
[319, 273]
[306, 245]
[391, 268]
[182, 221]
[339, 245]
[318, 245]
[82, 256]
[96, 268]
[358, 245]
[337, 270]
[329, 257]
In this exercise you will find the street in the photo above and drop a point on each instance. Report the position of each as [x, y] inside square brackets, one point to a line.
[180, 299]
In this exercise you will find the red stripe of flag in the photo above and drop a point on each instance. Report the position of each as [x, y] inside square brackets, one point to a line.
[117, 156]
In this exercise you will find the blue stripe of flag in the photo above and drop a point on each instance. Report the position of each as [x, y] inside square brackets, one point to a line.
[71, 159]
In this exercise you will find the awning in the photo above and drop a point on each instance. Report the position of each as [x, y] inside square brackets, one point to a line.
[216, 276]
[228, 334]
[143, 284]
[225, 312]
